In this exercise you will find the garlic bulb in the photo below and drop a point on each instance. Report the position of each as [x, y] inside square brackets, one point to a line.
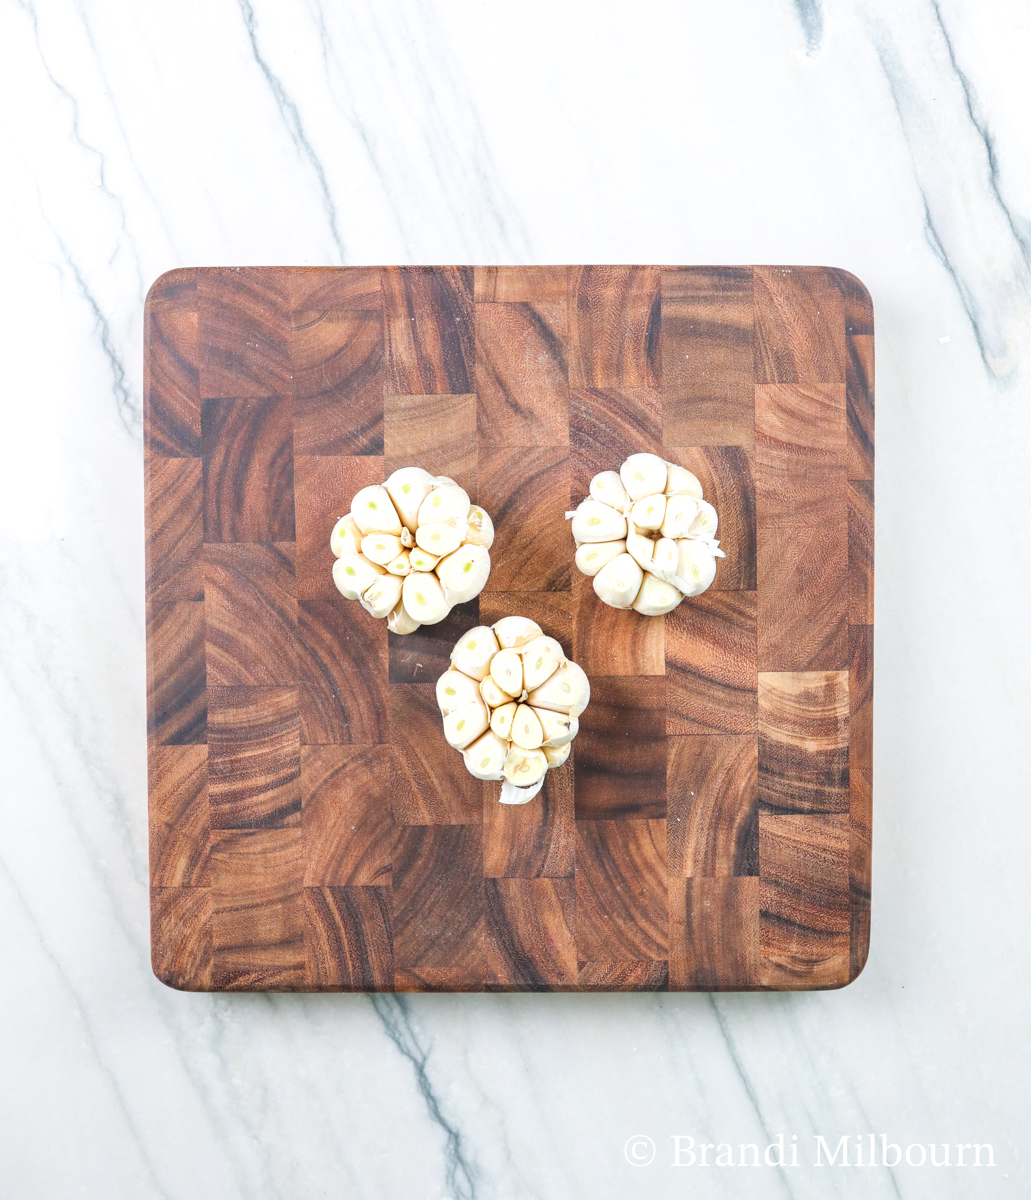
[411, 549]
[511, 702]
[645, 535]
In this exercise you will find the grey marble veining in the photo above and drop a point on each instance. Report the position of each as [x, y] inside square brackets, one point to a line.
[886, 139]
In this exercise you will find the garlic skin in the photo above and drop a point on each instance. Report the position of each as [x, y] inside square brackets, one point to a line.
[511, 702]
[422, 531]
[655, 545]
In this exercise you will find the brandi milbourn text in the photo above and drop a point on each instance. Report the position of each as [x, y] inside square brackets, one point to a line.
[862, 1150]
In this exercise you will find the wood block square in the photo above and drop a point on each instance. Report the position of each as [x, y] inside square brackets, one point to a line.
[860, 552]
[431, 347]
[337, 358]
[258, 918]
[254, 758]
[526, 492]
[437, 433]
[348, 941]
[714, 934]
[804, 899]
[324, 489]
[430, 783]
[859, 394]
[712, 818]
[551, 611]
[623, 977]
[518, 285]
[348, 833]
[438, 898]
[803, 597]
[250, 614]
[614, 319]
[606, 426]
[423, 656]
[244, 334]
[175, 528]
[177, 780]
[612, 641]
[343, 671]
[799, 326]
[621, 905]
[180, 937]
[248, 470]
[800, 455]
[528, 841]
[522, 374]
[860, 696]
[859, 876]
[803, 742]
[707, 358]
[620, 751]
[177, 701]
[711, 664]
[728, 482]
[171, 377]
[529, 934]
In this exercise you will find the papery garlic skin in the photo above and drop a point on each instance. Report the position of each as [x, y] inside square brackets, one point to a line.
[511, 702]
[646, 536]
[420, 530]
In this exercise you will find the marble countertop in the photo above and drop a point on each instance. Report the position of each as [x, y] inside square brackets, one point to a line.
[887, 139]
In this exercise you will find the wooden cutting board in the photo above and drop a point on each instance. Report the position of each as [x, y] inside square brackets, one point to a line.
[310, 829]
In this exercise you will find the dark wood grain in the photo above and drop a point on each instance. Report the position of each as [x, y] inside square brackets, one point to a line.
[309, 827]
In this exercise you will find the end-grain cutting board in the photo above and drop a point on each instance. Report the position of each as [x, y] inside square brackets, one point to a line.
[310, 828]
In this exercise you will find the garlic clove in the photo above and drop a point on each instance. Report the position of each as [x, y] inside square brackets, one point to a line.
[648, 512]
[346, 537]
[492, 694]
[381, 548]
[665, 557]
[506, 670]
[481, 528]
[353, 573]
[439, 538]
[696, 567]
[474, 651]
[401, 565]
[455, 689]
[374, 512]
[704, 525]
[681, 512]
[465, 723]
[463, 573]
[408, 487]
[485, 758]
[524, 767]
[643, 475]
[424, 598]
[558, 728]
[400, 621]
[656, 597]
[607, 487]
[641, 549]
[567, 691]
[596, 522]
[382, 595]
[501, 719]
[681, 482]
[526, 728]
[618, 583]
[540, 658]
[440, 480]
[592, 556]
[557, 755]
[447, 502]
[422, 560]
[515, 632]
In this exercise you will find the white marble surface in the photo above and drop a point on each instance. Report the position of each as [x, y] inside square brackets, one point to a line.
[891, 139]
